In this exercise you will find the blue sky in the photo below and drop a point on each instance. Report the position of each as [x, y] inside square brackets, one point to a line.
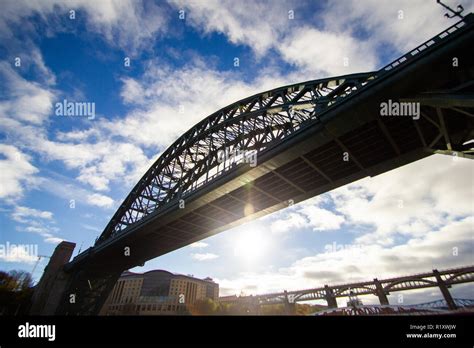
[182, 70]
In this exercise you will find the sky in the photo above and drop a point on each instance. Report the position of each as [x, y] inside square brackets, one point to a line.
[153, 70]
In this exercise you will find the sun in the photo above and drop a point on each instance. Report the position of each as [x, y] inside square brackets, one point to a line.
[251, 243]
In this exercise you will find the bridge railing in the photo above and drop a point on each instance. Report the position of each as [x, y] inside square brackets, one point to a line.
[429, 43]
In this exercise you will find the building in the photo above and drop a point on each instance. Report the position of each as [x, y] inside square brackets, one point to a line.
[157, 292]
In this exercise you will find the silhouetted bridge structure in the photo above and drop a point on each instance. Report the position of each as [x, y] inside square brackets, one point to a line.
[380, 288]
[309, 138]
[430, 308]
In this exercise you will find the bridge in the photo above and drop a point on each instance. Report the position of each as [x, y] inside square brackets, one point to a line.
[432, 308]
[307, 139]
[381, 288]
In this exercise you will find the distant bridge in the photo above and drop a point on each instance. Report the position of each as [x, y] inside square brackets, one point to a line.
[380, 288]
[309, 138]
[429, 308]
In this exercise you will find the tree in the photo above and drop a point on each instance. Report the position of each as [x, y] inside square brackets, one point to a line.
[16, 290]
[205, 307]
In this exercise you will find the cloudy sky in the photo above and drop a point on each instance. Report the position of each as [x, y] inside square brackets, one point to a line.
[61, 178]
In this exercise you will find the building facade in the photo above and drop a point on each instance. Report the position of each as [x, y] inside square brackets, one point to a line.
[157, 292]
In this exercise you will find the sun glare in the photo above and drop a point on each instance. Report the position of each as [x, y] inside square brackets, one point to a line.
[250, 243]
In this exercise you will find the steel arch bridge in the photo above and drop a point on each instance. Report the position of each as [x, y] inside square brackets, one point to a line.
[308, 138]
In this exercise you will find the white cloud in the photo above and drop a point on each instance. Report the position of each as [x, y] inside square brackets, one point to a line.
[411, 200]
[16, 172]
[204, 257]
[418, 20]
[305, 215]
[292, 221]
[53, 240]
[322, 219]
[319, 52]
[359, 31]
[73, 194]
[21, 214]
[98, 162]
[106, 150]
[130, 25]
[322, 53]
[256, 24]
[27, 101]
[100, 200]
[421, 203]
[169, 106]
[37, 221]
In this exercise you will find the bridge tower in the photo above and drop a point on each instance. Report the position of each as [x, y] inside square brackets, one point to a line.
[290, 307]
[53, 282]
[380, 292]
[330, 298]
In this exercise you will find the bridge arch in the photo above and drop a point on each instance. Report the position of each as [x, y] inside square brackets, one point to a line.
[253, 124]
[408, 281]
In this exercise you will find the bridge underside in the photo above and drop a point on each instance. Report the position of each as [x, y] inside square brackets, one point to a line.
[308, 163]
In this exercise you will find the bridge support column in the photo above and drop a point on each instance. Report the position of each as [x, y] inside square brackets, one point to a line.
[255, 306]
[444, 290]
[330, 298]
[290, 307]
[52, 284]
[380, 292]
